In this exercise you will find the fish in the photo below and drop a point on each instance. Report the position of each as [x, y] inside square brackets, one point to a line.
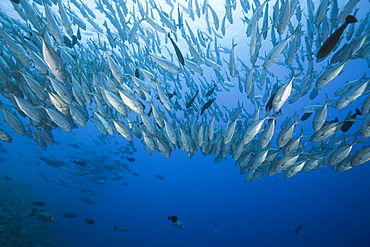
[130, 159]
[173, 218]
[283, 93]
[122, 228]
[361, 157]
[80, 163]
[89, 221]
[5, 136]
[207, 105]
[321, 115]
[53, 59]
[305, 116]
[159, 176]
[190, 103]
[175, 221]
[87, 200]
[43, 215]
[298, 228]
[341, 152]
[351, 95]
[70, 215]
[177, 50]
[166, 64]
[329, 74]
[349, 121]
[276, 51]
[232, 59]
[333, 39]
[58, 72]
[210, 92]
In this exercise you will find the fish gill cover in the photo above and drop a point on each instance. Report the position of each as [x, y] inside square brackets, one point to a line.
[276, 86]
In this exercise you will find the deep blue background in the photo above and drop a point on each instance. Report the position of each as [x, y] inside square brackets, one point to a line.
[333, 208]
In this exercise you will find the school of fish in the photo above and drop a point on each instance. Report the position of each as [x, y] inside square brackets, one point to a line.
[159, 73]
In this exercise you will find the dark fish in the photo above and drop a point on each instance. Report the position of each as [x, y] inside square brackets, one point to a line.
[306, 116]
[90, 221]
[122, 228]
[130, 159]
[7, 178]
[210, 92]
[356, 207]
[313, 93]
[159, 176]
[80, 163]
[173, 218]
[125, 184]
[67, 41]
[74, 39]
[15, 1]
[269, 103]
[298, 228]
[137, 73]
[331, 121]
[43, 215]
[206, 105]
[170, 95]
[70, 215]
[87, 200]
[177, 50]
[331, 42]
[348, 123]
[78, 34]
[39, 203]
[192, 99]
[150, 112]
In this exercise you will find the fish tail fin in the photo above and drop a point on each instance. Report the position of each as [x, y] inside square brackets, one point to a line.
[295, 75]
[146, 52]
[34, 211]
[327, 99]
[233, 44]
[302, 134]
[115, 228]
[104, 48]
[296, 119]
[355, 141]
[358, 112]
[41, 33]
[351, 19]
[298, 31]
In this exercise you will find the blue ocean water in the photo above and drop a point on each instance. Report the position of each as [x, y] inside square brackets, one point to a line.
[212, 200]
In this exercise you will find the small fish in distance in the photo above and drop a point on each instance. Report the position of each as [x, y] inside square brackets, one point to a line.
[298, 228]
